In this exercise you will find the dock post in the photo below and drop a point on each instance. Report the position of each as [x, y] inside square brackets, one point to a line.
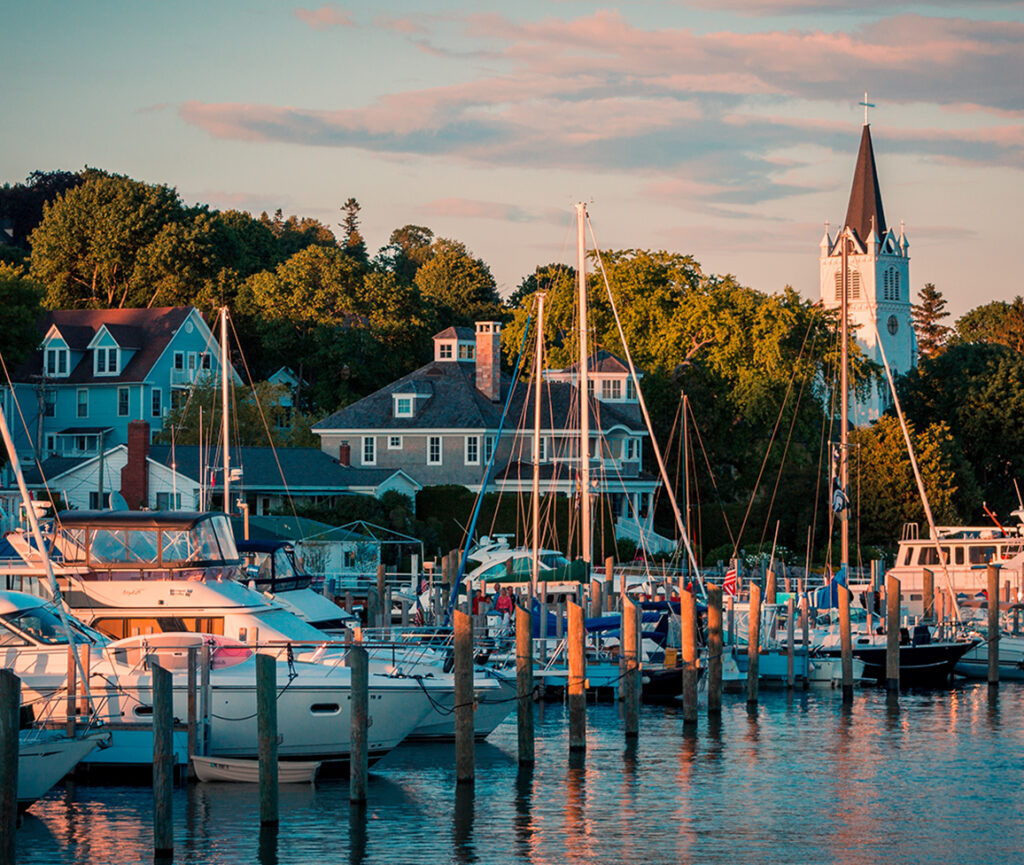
[85, 662]
[770, 587]
[928, 595]
[577, 680]
[753, 643]
[206, 692]
[381, 592]
[373, 606]
[192, 685]
[596, 604]
[714, 650]
[465, 756]
[1006, 591]
[631, 673]
[405, 613]
[805, 627]
[359, 664]
[609, 583]
[993, 626]
[846, 642]
[892, 633]
[71, 706]
[10, 721]
[163, 760]
[790, 648]
[524, 685]
[730, 621]
[266, 742]
[688, 622]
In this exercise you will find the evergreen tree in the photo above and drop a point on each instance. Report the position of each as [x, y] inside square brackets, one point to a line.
[928, 315]
[353, 245]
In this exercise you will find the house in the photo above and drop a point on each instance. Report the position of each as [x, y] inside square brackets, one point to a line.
[440, 425]
[162, 477]
[96, 370]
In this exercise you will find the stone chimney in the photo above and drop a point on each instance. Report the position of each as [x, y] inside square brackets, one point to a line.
[345, 454]
[488, 359]
[135, 474]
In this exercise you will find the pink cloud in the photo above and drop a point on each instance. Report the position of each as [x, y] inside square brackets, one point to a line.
[497, 210]
[325, 18]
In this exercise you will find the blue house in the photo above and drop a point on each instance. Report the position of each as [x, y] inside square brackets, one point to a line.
[96, 370]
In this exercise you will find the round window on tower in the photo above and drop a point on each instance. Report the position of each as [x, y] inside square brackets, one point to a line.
[893, 324]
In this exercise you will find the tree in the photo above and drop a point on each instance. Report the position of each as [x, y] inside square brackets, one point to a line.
[459, 285]
[22, 205]
[409, 247]
[997, 322]
[928, 315]
[354, 246]
[19, 309]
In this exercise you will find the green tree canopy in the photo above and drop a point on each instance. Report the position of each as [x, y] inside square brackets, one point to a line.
[409, 247]
[997, 322]
[19, 309]
[928, 316]
[457, 284]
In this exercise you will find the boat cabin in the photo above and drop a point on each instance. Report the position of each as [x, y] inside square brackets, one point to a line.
[130, 545]
[272, 567]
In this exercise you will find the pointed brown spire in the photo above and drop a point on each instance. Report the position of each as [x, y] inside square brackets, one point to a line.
[865, 197]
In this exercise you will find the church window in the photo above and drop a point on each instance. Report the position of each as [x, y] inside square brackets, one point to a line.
[854, 284]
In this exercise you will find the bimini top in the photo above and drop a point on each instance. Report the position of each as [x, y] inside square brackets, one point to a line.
[133, 519]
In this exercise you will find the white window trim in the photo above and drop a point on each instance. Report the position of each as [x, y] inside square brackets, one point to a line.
[445, 351]
[368, 444]
[394, 443]
[176, 358]
[474, 442]
[440, 450]
[488, 448]
[111, 356]
[79, 403]
[412, 405]
[59, 353]
[156, 401]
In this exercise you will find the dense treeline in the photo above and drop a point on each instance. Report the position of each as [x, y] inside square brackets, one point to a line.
[757, 369]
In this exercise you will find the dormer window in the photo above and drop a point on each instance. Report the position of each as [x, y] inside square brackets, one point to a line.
[106, 361]
[403, 405]
[467, 351]
[57, 362]
[611, 388]
[444, 351]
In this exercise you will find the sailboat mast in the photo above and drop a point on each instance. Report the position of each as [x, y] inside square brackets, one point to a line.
[584, 383]
[844, 392]
[537, 366]
[224, 405]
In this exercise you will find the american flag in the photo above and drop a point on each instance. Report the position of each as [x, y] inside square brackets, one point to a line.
[729, 585]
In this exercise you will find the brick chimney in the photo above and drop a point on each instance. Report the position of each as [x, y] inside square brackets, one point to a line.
[488, 359]
[345, 453]
[135, 474]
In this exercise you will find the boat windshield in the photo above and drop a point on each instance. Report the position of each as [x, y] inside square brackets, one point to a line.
[38, 623]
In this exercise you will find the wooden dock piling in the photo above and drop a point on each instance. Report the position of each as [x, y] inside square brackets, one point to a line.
[71, 705]
[524, 685]
[845, 643]
[892, 634]
[630, 687]
[163, 760]
[465, 756]
[993, 625]
[609, 582]
[688, 621]
[359, 664]
[770, 586]
[577, 680]
[754, 643]
[596, 602]
[10, 717]
[192, 709]
[266, 726]
[805, 635]
[928, 595]
[790, 648]
[715, 649]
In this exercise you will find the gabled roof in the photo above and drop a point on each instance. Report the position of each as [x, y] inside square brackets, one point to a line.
[464, 333]
[149, 329]
[601, 360]
[865, 196]
[457, 404]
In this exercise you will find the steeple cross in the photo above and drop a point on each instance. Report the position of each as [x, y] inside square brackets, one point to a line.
[866, 105]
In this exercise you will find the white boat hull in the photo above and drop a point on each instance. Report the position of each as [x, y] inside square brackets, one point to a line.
[44, 758]
[248, 771]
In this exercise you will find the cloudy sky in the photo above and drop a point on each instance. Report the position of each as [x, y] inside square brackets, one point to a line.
[723, 128]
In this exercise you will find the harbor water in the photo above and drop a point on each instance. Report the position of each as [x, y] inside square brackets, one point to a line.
[938, 778]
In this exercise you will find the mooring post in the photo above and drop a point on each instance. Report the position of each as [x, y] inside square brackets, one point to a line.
[465, 756]
[688, 622]
[928, 595]
[805, 627]
[85, 662]
[609, 583]
[715, 649]
[770, 587]
[730, 621]
[596, 604]
[359, 762]
[163, 760]
[993, 626]
[381, 593]
[631, 674]
[192, 660]
[790, 648]
[892, 633]
[266, 742]
[845, 643]
[577, 680]
[71, 705]
[753, 643]
[10, 721]
[524, 684]
[206, 693]
[542, 624]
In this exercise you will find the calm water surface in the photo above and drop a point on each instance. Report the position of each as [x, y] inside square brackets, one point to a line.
[940, 779]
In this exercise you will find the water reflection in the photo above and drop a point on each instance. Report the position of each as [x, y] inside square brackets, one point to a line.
[463, 823]
[356, 833]
[524, 798]
[267, 853]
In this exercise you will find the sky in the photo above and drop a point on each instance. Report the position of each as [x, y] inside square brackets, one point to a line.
[725, 129]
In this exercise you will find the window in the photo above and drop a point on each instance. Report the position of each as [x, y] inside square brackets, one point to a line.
[611, 388]
[467, 351]
[83, 402]
[205, 360]
[488, 448]
[542, 449]
[403, 406]
[369, 451]
[472, 450]
[49, 404]
[590, 387]
[105, 361]
[157, 402]
[57, 361]
[51, 444]
[394, 443]
[891, 284]
[122, 402]
[191, 361]
[445, 351]
[433, 450]
[630, 449]
[854, 284]
[168, 501]
[179, 360]
[630, 389]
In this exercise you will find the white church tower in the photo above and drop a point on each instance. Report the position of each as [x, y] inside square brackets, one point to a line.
[878, 281]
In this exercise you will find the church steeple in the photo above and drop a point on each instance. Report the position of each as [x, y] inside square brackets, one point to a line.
[865, 196]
